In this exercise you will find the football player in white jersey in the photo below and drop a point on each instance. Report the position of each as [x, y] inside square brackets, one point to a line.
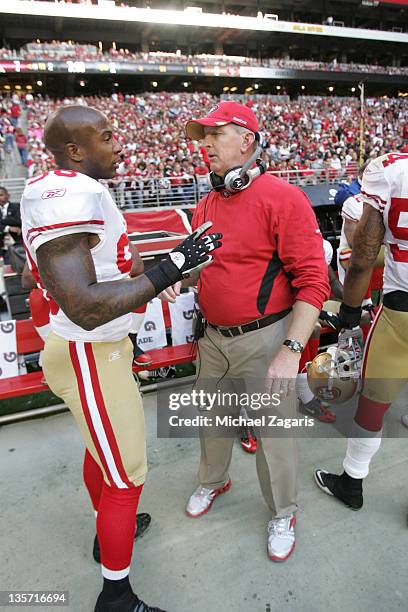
[351, 212]
[385, 362]
[76, 237]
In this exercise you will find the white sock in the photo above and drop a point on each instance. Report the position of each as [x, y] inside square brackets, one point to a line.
[302, 389]
[360, 451]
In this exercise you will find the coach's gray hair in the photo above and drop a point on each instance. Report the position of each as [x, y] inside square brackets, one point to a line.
[243, 130]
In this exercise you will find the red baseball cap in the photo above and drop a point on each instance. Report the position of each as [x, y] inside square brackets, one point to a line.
[222, 114]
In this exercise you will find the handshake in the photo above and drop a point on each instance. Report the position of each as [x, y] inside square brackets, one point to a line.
[189, 257]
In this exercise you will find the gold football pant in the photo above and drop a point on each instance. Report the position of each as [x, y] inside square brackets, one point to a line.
[385, 364]
[95, 380]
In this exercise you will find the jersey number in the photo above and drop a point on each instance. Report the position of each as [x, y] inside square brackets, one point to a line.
[124, 255]
[64, 173]
[394, 157]
[397, 207]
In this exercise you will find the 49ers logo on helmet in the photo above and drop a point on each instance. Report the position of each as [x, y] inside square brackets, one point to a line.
[53, 193]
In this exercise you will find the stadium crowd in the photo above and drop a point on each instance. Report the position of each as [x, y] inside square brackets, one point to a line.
[62, 51]
[311, 137]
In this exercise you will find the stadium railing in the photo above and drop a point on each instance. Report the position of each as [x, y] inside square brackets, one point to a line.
[135, 192]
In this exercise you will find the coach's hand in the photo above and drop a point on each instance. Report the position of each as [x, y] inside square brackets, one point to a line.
[171, 293]
[281, 375]
[189, 257]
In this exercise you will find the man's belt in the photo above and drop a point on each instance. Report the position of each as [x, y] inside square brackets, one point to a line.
[396, 300]
[230, 332]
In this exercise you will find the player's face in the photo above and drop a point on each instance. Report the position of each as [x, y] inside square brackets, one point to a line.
[223, 146]
[102, 151]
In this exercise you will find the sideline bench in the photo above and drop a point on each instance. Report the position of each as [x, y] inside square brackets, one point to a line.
[29, 342]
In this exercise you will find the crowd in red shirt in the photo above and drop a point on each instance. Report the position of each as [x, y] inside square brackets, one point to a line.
[308, 135]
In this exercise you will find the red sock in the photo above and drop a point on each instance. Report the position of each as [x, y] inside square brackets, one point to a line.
[370, 414]
[93, 478]
[313, 347]
[115, 526]
[309, 353]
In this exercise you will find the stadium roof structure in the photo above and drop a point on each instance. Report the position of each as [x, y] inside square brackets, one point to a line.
[193, 17]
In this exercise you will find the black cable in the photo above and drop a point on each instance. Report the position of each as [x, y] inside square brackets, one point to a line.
[223, 354]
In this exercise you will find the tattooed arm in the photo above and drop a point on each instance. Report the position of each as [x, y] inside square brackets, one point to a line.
[367, 242]
[68, 273]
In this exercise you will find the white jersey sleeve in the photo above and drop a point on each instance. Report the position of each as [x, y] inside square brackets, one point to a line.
[59, 204]
[352, 208]
[328, 251]
[375, 188]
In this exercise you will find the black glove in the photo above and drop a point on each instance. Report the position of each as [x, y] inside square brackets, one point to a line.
[188, 257]
[331, 318]
[349, 316]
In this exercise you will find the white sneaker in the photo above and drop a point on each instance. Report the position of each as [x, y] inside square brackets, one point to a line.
[281, 537]
[202, 499]
[404, 420]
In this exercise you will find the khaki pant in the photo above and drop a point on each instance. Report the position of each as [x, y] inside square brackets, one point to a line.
[243, 361]
[385, 364]
[95, 380]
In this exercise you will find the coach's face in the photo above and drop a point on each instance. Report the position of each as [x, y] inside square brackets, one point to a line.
[226, 147]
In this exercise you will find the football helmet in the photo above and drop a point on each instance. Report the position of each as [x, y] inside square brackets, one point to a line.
[334, 376]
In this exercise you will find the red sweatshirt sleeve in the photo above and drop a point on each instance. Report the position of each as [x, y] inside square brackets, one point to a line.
[300, 248]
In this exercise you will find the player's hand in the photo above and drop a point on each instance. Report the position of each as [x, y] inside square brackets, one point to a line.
[170, 294]
[191, 255]
[188, 258]
[282, 372]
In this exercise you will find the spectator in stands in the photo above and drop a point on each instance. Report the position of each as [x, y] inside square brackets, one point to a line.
[15, 112]
[21, 142]
[324, 131]
[10, 223]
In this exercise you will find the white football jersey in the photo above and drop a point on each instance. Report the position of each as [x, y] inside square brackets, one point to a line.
[328, 251]
[352, 210]
[64, 202]
[385, 188]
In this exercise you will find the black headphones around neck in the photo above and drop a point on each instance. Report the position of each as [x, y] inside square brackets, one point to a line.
[239, 178]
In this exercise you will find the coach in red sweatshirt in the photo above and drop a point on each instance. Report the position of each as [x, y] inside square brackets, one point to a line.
[260, 297]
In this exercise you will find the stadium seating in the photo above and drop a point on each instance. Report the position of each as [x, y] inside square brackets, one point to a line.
[310, 136]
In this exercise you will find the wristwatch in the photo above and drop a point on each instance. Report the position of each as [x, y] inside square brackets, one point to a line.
[294, 345]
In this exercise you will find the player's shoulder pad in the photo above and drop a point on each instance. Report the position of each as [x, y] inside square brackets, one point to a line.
[376, 166]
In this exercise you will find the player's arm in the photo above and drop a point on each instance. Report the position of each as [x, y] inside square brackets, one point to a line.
[67, 271]
[368, 238]
[27, 279]
[349, 231]
[335, 285]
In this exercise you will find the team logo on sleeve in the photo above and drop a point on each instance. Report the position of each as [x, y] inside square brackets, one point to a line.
[53, 193]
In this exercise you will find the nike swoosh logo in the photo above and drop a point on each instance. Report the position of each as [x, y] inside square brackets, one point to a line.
[246, 444]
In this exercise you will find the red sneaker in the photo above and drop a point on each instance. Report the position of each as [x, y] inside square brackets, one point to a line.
[248, 440]
[144, 359]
